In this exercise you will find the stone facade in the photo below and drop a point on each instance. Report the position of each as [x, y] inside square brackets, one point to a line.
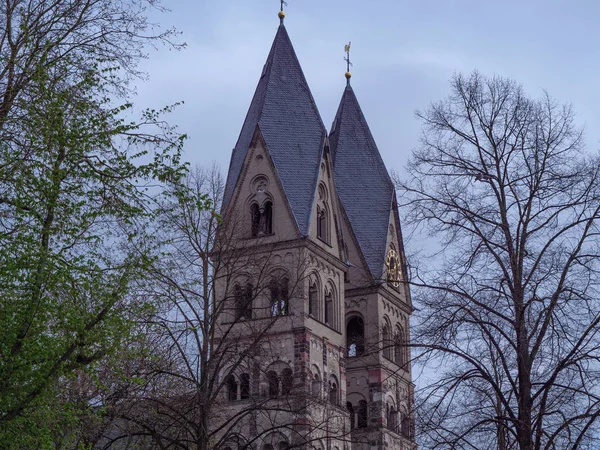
[331, 368]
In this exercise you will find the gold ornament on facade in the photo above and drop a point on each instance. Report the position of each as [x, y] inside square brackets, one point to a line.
[393, 268]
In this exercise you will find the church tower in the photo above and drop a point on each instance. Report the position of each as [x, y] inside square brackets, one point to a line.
[314, 297]
[377, 299]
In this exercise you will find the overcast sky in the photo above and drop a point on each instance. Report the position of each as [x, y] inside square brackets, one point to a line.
[404, 53]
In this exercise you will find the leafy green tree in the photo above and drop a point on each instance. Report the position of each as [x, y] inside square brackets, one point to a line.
[75, 195]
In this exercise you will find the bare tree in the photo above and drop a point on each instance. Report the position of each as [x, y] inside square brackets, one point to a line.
[79, 35]
[212, 382]
[509, 304]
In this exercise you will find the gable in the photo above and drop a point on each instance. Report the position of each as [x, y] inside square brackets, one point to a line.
[285, 112]
[325, 215]
[258, 185]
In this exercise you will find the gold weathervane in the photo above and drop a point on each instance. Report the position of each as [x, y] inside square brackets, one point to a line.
[281, 13]
[347, 59]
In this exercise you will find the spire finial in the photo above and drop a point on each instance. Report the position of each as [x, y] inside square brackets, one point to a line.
[281, 11]
[348, 63]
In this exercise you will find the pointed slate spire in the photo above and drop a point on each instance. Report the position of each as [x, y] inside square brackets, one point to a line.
[285, 113]
[363, 183]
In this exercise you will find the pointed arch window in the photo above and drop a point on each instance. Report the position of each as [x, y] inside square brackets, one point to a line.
[329, 317]
[322, 225]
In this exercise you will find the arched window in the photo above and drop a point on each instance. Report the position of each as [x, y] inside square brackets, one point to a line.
[333, 391]
[262, 219]
[329, 319]
[279, 297]
[362, 415]
[350, 409]
[268, 218]
[243, 301]
[386, 342]
[248, 299]
[255, 217]
[399, 348]
[239, 301]
[392, 418]
[405, 426]
[245, 386]
[273, 381]
[287, 381]
[355, 335]
[322, 225]
[313, 305]
[231, 388]
[316, 386]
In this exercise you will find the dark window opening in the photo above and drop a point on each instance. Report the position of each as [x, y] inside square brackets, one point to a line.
[333, 394]
[322, 224]
[243, 301]
[355, 334]
[329, 309]
[245, 386]
[231, 388]
[273, 380]
[268, 221]
[255, 215]
[262, 219]
[392, 419]
[279, 297]
[350, 409]
[316, 386]
[405, 427]
[287, 381]
[361, 420]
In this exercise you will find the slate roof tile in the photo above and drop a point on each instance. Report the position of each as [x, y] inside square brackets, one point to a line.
[284, 110]
[362, 181]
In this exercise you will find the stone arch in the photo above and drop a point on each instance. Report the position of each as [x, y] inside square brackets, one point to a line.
[276, 376]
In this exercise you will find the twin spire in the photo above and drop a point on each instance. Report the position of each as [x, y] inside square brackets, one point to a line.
[348, 74]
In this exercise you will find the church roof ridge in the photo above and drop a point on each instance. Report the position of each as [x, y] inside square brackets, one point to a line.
[286, 113]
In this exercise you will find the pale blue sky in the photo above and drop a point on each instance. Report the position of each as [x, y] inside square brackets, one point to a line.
[404, 53]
